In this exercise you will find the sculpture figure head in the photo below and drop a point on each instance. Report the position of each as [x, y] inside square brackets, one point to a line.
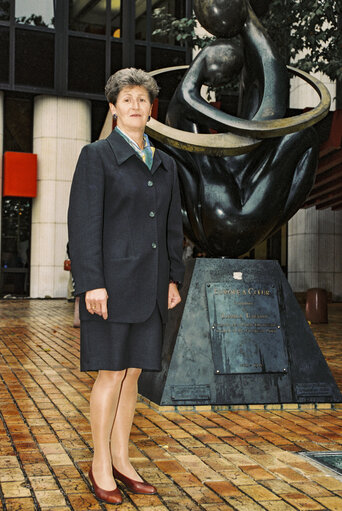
[224, 60]
[222, 18]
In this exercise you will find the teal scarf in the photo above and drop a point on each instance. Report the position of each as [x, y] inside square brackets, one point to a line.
[146, 154]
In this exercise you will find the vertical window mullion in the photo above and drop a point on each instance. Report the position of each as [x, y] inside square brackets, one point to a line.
[188, 8]
[61, 45]
[128, 35]
[148, 33]
[108, 38]
[12, 46]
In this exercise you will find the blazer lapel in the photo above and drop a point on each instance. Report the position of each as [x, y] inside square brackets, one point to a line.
[121, 149]
[156, 161]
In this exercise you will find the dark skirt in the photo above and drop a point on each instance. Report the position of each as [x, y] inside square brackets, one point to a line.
[116, 346]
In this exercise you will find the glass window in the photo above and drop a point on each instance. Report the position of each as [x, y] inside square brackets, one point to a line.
[30, 67]
[87, 16]
[35, 12]
[18, 122]
[140, 56]
[4, 10]
[140, 19]
[87, 71]
[116, 56]
[168, 83]
[15, 246]
[99, 111]
[4, 54]
[116, 18]
[159, 21]
[16, 211]
[166, 58]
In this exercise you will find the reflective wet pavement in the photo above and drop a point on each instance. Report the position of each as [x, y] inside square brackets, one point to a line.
[199, 459]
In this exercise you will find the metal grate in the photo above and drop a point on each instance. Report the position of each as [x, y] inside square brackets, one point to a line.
[331, 460]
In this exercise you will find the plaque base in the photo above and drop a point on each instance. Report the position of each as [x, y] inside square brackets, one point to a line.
[226, 350]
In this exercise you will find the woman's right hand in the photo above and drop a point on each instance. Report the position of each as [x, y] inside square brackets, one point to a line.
[96, 302]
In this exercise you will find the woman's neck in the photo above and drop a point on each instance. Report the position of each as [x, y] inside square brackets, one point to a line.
[136, 135]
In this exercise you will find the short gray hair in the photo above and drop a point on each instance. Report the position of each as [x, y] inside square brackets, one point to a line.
[130, 77]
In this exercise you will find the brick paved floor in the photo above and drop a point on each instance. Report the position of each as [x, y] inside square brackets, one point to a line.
[200, 460]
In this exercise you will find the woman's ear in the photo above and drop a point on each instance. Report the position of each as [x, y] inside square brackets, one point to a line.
[112, 108]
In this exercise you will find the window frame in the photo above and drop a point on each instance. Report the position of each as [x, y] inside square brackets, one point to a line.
[61, 50]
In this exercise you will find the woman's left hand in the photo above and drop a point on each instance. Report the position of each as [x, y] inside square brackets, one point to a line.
[174, 296]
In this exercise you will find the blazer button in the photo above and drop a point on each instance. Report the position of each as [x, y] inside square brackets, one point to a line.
[149, 183]
[152, 214]
[154, 245]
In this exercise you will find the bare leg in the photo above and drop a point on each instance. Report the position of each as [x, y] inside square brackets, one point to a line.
[103, 406]
[123, 424]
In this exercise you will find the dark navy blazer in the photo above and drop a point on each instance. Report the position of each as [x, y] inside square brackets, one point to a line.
[125, 229]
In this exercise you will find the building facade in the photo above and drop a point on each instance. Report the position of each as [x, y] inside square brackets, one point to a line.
[55, 58]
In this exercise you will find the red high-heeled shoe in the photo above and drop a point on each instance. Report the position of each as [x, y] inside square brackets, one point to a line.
[110, 496]
[135, 486]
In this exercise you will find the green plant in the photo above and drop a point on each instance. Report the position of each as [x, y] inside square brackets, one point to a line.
[307, 32]
[183, 29]
[34, 19]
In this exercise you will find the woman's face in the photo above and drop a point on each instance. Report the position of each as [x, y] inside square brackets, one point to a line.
[132, 108]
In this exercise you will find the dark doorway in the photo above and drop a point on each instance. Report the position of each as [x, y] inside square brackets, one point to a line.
[16, 211]
[15, 246]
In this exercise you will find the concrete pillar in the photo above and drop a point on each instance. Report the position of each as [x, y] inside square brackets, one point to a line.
[1, 153]
[315, 251]
[314, 236]
[61, 127]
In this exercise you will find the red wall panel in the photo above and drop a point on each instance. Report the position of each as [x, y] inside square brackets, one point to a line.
[20, 174]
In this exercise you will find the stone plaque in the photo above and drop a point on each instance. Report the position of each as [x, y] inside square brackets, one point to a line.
[190, 392]
[245, 328]
[313, 390]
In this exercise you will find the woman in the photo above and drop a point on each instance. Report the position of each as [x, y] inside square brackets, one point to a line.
[125, 235]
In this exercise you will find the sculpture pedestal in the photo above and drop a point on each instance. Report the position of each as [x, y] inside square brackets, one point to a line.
[238, 337]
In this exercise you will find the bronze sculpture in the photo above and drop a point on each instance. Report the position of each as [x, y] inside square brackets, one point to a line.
[233, 199]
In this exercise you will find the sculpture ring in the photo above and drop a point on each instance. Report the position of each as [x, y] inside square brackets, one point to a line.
[225, 144]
